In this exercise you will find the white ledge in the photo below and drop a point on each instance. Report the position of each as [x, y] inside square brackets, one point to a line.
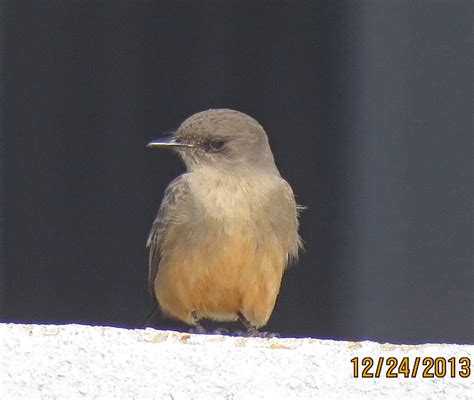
[77, 361]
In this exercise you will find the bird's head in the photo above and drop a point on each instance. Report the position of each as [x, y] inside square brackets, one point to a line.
[221, 138]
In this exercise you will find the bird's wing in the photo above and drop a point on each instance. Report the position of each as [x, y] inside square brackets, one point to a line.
[171, 208]
[285, 224]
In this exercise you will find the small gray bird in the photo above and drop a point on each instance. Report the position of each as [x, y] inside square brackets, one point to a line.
[227, 228]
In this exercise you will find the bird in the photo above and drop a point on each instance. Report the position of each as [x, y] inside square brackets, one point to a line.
[227, 228]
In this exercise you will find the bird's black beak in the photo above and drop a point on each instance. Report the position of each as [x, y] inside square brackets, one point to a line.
[168, 141]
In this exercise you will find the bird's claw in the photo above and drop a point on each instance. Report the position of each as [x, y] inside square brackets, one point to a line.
[198, 330]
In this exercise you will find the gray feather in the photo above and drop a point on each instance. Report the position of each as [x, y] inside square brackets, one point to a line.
[175, 195]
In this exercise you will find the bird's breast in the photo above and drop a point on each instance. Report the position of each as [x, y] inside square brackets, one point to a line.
[230, 198]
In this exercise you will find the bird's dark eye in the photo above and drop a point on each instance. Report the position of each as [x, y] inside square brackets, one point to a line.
[216, 145]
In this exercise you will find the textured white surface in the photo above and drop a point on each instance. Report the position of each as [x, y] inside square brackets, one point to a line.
[76, 361]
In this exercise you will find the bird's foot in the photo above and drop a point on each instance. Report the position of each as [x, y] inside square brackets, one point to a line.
[198, 329]
[257, 334]
[265, 335]
[252, 331]
[271, 335]
[220, 331]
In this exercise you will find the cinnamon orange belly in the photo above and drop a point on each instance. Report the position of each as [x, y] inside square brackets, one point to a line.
[218, 276]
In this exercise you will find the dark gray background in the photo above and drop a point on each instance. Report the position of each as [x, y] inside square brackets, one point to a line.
[368, 105]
